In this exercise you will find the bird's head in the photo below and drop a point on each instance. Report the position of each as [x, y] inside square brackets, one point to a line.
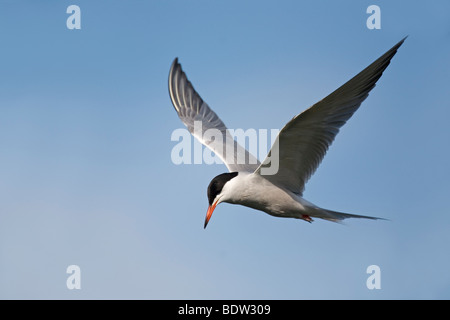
[216, 192]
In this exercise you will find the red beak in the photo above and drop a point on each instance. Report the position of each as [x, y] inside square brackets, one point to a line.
[209, 213]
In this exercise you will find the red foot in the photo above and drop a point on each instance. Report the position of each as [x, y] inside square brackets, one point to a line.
[307, 218]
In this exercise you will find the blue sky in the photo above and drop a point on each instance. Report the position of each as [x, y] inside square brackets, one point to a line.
[86, 176]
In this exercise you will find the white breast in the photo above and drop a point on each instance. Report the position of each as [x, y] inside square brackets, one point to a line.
[256, 192]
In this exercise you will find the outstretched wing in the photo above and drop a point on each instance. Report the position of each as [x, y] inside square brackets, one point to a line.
[205, 125]
[303, 141]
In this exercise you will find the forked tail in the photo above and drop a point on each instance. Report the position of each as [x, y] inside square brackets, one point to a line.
[337, 216]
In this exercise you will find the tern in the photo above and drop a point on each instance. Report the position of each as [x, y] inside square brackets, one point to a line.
[300, 147]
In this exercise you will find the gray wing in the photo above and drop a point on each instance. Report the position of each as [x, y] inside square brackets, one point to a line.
[303, 142]
[205, 125]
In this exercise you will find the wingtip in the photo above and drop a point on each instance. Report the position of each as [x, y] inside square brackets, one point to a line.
[400, 42]
[173, 70]
[174, 62]
[387, 56]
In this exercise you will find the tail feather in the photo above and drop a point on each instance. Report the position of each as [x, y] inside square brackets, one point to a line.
[337, 216]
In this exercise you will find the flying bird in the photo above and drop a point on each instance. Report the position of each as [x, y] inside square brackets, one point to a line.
[299, 147]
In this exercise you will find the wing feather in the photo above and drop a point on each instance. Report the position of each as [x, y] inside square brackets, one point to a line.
[191, 108]
[304, 141]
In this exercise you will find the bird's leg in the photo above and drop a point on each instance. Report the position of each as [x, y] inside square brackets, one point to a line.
[307, 218]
